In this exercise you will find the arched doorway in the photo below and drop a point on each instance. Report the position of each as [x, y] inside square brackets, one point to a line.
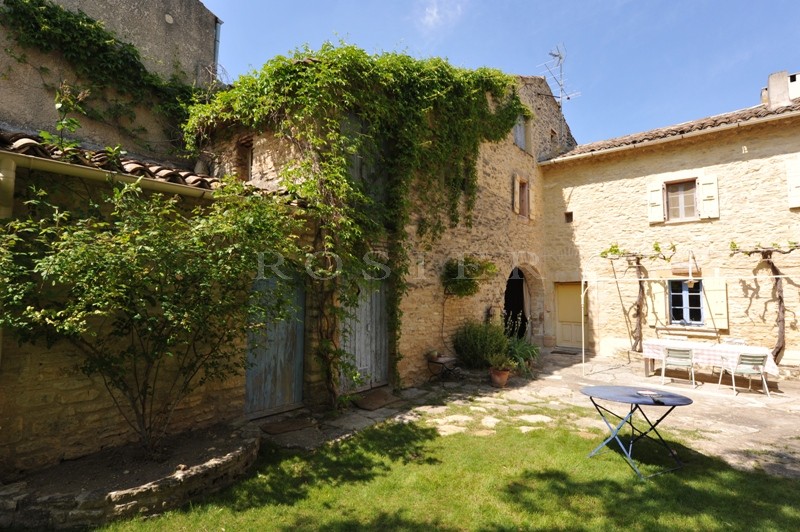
[515, 309]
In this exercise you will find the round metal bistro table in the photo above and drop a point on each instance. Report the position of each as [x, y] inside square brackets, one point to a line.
[635, 397]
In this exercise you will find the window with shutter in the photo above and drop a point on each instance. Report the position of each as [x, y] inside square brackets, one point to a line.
[708, 196]
[715, 293]
[686, 302]
[520, 133]
[522, 197]
[681, 200]
[655, 202]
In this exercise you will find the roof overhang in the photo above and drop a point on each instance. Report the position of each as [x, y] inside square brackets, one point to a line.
[671, 138]
[95, 174]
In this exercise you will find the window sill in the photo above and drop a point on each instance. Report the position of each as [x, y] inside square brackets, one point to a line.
[682, 221]
[701, 331]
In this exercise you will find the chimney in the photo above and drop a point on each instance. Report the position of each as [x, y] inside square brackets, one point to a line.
[780, 87]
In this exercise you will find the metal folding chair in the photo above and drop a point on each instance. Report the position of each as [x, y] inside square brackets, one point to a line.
[746, 365]
[681, 358]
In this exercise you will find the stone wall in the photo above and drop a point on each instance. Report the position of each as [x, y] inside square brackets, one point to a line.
[550, 133]
[30, 77]
[50, 411]
[174, 37]
[608, 198]
[498, 234]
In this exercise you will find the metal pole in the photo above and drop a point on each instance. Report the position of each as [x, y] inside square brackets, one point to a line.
[583, 333]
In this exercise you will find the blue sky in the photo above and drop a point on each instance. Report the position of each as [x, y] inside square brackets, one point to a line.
[631, 65]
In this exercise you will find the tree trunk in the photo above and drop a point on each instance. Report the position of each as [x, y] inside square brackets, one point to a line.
[780, 321]
[638, 308]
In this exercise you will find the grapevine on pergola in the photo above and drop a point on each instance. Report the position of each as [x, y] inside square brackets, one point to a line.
[765, 253]
[634, 260]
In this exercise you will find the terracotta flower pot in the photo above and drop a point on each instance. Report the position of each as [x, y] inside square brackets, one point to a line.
[499, 377]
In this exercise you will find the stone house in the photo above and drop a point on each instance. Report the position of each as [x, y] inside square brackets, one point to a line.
[544, 211]
[507, 229]
[699, 185]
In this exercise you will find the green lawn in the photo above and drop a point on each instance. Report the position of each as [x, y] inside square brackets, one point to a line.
[406, 477]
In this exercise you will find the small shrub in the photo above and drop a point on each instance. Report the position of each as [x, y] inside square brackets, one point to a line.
[501, 360]
[523, 353]
[475, 341]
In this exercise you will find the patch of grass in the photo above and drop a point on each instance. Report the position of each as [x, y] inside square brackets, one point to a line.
[405, 477]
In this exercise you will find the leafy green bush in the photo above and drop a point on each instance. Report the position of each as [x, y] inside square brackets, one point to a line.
[156, 300]
[475, 341]
[461, 277]
[523, 353]
[501, 360]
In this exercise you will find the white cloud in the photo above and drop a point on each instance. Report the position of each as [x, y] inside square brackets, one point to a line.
[436, 15]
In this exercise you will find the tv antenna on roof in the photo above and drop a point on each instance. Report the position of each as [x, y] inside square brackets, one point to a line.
[556, 69]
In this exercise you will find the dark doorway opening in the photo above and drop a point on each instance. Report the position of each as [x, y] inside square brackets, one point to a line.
[514, 319]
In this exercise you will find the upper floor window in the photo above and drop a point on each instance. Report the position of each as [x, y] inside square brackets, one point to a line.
[521, 134]
[244, 158]
[682, 196]
[522, 197]
[681, 200]
[685, 302]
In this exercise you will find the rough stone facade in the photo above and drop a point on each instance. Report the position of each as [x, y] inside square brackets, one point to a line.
[174, 37]
[184, 48]
[50, 411]
[498, 233]
[753, 166]
[509, 239]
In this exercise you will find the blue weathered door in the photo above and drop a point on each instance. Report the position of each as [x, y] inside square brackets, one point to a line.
[368, 340]
[274, 375]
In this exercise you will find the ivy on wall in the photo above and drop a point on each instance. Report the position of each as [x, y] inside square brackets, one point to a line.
[385, 142]
[98, 57]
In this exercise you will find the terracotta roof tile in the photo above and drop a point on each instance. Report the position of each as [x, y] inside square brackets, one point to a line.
[31, 145]
[708, 123]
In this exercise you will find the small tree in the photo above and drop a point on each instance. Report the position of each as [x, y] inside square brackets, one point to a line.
[155, 296]
[634, 260]
[765, 254]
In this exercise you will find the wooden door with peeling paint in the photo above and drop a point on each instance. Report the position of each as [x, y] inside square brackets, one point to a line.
[274, 375]
[368, 340]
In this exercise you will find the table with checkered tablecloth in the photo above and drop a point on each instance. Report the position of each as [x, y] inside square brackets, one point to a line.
[705, 353]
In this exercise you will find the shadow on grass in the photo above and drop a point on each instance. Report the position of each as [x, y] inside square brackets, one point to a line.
[284, 477]
[381, 521]
[707, 493]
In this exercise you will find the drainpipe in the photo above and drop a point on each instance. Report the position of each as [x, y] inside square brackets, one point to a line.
[7, 176]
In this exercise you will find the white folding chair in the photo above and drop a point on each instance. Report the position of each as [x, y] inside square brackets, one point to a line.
[681, 358]
[746, 365]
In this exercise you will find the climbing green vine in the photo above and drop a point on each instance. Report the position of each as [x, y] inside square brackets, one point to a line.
[384, 142]
[98, 57]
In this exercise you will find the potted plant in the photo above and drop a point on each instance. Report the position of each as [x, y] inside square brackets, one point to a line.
[500, 366]
[523, 353]
[474, 339]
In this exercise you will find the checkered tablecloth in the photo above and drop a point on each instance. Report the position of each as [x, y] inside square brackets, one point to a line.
[707, 353]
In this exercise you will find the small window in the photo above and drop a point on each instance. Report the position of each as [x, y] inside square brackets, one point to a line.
[568, 217]
[524, 205]
[521, 191]
[686, 302]
[521, 133]
[682, 200]
[244, 158]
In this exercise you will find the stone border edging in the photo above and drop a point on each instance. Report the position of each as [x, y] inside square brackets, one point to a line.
[24, 509]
